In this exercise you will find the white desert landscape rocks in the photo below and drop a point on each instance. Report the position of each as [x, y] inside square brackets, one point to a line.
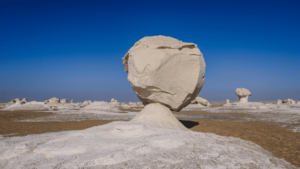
[166, 75]
[243, 94]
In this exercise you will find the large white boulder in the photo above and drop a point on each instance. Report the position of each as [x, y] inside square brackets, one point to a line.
[157, 115]
[243, 94]
[165, 70]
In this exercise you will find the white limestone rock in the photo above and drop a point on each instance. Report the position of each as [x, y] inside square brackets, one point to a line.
[101, 106]
[72, 101]
[18, 101]
[165, 70]
[289, 101]
[279, 101]
[54, 100]
[227, 101]
[202, 101]
[114, 102]
[24, 100]
[63, 101]
[86, 102]
[157, 115]
[243, 94]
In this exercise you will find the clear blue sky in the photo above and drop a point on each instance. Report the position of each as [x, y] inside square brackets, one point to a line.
[73, 49]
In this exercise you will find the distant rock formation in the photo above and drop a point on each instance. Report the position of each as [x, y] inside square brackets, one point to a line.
[102, 106]
[63, 101]
[24, 101]
[279, 101]
[289, 101]
[243, 94]
[86, 102]
[114, 102]
[72, 101]
[202, 101]
[53, 100]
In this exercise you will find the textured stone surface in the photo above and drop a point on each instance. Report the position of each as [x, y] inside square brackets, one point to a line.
[24, 100]
[289, 101]
[157, 115]
[53, 100]
[165, 70]
[63, 101]
[243, 94]
[202, 101]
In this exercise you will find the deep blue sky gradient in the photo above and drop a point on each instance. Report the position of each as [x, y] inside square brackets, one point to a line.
[73, 49]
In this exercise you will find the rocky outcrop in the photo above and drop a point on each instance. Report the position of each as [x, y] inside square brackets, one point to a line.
[100, 106]
[165, 70]
[54, 100]
[279, 101]
[289, 101]
[24, 101]
[63, 101]
[114, 102]
[72, 101]
[200, 100]
[243, 94]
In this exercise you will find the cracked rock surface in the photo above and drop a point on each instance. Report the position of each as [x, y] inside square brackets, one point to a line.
[165, 70]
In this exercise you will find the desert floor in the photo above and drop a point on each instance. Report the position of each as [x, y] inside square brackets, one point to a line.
[272, 136]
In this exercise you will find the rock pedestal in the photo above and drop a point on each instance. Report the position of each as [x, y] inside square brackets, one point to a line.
[157, 115]
[243, 94]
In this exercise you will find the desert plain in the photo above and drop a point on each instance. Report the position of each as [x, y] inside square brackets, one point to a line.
[275, 130]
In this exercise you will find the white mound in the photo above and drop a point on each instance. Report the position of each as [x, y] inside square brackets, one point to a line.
[157, 115]
[28, 106]
[101, 106]
[128, 145]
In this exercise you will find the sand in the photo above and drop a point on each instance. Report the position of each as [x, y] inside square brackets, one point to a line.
[10, 127]
[281, 142]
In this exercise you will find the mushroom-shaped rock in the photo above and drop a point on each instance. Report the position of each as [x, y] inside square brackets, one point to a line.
[165, 70]
[72, 101]
[227, 101]
[243, 94]
[63, 101]
[24, 100]
[53, 100]
[114, 102]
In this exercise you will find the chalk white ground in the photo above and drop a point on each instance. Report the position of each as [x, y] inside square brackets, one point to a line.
[129, 145]
[282, 115]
